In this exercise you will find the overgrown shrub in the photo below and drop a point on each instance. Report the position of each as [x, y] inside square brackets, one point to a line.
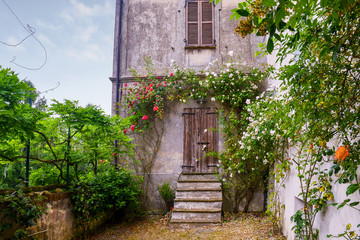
[111, 189]
[22, 211]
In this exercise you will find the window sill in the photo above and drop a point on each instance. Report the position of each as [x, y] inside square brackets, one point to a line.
[201, 47]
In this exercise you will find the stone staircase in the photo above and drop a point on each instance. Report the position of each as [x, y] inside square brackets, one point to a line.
[198, 201]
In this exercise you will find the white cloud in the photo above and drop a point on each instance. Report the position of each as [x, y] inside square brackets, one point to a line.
[86, 33]
[89, 52]
[45, 40]
[47, 25]
[79, 9]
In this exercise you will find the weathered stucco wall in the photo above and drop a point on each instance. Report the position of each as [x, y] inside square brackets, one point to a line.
[156, 28]
[329, 220]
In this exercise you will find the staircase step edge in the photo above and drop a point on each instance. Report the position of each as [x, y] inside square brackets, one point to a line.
[198, 199]
[194, 220]
[197, 210]
[198, 189]
[198, 180]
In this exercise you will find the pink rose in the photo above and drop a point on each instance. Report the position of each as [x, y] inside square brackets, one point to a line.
[171, 74]
[114, 154]
[144, 117]
[125, 84]
[156, 108]
[102, 160]
[132, 127]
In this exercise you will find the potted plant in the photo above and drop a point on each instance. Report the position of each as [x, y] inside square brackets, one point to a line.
[167, 194]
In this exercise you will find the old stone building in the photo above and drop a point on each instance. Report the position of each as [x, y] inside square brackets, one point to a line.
[191, 33]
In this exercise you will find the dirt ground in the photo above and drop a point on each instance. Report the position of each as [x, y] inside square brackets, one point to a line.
[240, 226]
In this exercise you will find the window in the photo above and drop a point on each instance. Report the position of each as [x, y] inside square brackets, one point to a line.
[199, 23]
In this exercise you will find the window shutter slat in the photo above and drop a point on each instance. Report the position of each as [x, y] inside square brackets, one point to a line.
[193, 33]
[207, 34]
[206, 11]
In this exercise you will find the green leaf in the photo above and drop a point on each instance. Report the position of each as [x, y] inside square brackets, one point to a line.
[343, 203]
[352, 188]
[354, 203]
[272, 30]
[277, 36]
[270, 45]
[279, 15]
[243, 12]
[269, 3]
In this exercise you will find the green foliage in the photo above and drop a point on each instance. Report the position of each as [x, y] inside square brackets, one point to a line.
[43, 175]
[301, 224]
[166, 191]
[23, 211]
[109, 189]
[320, 98]
[17, 118]
[92, 135]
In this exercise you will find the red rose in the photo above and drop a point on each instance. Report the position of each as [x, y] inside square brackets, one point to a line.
[144, 117]
[132, 127]
[171, 74]
[156, 108]
[125, 130]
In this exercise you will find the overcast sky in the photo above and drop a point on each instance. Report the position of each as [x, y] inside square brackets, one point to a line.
[78, 38]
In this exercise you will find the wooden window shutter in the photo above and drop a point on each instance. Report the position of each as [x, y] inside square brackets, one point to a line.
[200, 23]
[190, 148]
[193, 23]
[207, 23]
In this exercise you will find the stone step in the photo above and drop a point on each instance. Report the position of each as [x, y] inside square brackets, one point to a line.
[198, 177]
[211, 216]
[200, 189]
[195, 221]
[200, 210]
[198, 185]
[199, 194]
[198, 203]
[198, 180]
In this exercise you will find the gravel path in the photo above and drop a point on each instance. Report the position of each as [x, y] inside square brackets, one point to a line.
[240, 226]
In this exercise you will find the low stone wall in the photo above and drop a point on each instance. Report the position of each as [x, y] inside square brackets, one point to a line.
[58, 223]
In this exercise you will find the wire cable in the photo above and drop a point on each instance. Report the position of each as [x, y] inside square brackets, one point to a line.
[31, 32]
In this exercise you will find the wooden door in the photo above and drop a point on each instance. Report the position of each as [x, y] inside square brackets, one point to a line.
[200, 138]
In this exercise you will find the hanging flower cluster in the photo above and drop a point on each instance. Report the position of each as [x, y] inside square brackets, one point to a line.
[230, 85]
